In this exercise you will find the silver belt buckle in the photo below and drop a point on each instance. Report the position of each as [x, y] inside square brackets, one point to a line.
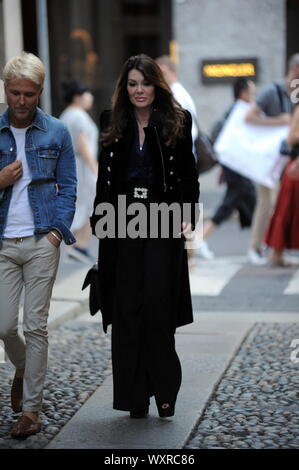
[140, 193]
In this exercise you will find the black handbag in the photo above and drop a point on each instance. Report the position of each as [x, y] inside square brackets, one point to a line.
[292, 152]
[95, 298]
[206, 156]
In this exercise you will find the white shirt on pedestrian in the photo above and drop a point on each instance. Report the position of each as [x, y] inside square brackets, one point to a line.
[185, 100]
[79, 121]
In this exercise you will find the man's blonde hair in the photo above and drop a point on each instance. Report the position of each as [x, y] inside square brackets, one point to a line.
[25, 65]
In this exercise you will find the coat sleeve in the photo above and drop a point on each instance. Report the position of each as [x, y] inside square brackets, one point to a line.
[66, 180]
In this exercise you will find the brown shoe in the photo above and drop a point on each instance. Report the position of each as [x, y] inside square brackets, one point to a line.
[16, 394]
[25, 427]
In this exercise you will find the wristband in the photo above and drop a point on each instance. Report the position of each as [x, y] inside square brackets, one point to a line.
[54, 235]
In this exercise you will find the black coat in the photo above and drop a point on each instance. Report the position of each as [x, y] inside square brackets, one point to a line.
[175, 168]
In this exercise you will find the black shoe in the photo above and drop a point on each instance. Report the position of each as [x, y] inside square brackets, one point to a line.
[139, 413]
[165, 410]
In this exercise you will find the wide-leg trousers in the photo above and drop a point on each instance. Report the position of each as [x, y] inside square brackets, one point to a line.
[144, 358]
[30, 263]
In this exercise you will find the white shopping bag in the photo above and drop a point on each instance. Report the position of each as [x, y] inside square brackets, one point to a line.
[251, 150]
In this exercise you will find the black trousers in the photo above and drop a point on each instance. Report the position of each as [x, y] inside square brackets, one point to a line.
[240, 195]
[144, 358]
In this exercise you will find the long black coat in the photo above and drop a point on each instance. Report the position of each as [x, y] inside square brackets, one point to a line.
[175, 168]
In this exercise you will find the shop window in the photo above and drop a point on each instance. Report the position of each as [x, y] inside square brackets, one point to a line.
[140, 7]
[147, 44]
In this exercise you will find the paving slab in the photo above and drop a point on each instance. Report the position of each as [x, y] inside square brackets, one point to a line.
[62, 311]
[70, 287]
[205, 349]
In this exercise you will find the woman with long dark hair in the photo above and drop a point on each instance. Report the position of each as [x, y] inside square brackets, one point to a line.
[146, 158]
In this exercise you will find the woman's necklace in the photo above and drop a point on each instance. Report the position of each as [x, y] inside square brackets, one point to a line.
[141, 131]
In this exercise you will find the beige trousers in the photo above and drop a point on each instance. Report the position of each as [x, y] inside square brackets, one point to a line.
[30, 263]
[266, 198]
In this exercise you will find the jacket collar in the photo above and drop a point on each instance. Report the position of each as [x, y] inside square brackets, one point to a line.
[39, 120]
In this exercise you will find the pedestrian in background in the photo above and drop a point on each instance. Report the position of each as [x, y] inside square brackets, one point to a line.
[37, 206]
[85, 137]
[283, 231]
[273, 107]
[181, 95]
[240, 191]
[146, 156]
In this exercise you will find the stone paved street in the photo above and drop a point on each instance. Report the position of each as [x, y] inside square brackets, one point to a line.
[240, 382]
[255, 405]
[79, 361]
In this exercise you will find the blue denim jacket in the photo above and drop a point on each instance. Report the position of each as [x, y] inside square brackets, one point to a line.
[50, 157]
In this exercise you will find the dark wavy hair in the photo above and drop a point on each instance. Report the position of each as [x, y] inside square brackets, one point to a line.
[72, 89]
[169, 115]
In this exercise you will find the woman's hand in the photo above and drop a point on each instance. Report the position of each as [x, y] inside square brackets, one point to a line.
[187, 230]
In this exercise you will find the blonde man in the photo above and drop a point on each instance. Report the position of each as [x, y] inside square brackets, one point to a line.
[37, 205]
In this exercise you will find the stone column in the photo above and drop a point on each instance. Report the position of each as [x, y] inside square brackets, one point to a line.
[11, 35]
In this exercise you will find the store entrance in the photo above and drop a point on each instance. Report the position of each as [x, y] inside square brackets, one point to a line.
[90, 40]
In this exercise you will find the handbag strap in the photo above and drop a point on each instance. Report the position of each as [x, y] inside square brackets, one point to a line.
[280, 97]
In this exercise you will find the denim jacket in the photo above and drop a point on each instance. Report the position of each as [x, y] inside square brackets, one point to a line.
[52, 190]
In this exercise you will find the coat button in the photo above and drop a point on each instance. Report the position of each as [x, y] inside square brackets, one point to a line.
[111, 154]
[108, 182]
[11, 149]
[171, 173]
[108, 168]
[171, 157]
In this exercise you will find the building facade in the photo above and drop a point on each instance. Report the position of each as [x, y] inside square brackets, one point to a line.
[88, 40]
[227, 29]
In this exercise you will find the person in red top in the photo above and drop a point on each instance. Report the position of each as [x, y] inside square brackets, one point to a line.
[283, 230]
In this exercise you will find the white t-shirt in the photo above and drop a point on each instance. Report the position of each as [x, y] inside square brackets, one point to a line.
[20, 221]
[184, 99]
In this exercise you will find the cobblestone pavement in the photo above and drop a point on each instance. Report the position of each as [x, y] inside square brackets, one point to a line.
[79, 360]
[255, 404]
